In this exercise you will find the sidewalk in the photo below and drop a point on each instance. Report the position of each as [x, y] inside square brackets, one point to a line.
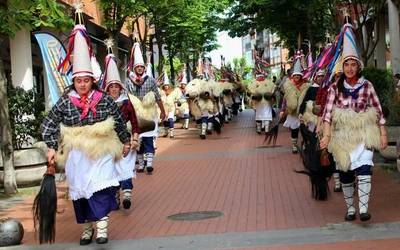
[253, 186]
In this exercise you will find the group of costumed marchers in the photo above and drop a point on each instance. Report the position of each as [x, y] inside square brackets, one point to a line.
[204, 98]
[262, 94]
[86, 133]
[340, 119]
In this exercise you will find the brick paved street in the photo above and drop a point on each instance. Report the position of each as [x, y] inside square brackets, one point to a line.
[254, 187]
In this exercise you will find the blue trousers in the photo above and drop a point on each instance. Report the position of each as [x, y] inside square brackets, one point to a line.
[96, 207]
[146, 145]
[350, 176]
[126, 184]
[169, 123]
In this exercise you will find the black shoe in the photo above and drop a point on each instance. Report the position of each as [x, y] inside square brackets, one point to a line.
[140, 170]
[101, 240]
[209, 132]
[350, 217]
[126, 203]
[365, 216]
[149, 170]
[83, 242]
[203, 137]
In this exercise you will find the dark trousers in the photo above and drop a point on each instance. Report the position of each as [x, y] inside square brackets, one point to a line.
[294, 133]
[350, 176]
[146, 145]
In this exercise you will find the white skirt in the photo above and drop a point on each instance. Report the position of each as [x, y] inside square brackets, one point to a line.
[263, 112]
[86, 176]
[126, 166]
[361, 156]
[153, 133]
[292, 122]
[171, 114]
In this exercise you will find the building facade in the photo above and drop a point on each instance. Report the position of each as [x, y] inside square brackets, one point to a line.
[267, 42]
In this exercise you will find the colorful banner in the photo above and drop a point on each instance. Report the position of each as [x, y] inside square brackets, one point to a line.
[52, 50]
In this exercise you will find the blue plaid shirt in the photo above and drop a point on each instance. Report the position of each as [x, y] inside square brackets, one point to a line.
[141, 90]
[67, 113]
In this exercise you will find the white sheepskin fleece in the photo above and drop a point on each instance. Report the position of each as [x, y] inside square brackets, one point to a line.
[350, 129]
[95, 141]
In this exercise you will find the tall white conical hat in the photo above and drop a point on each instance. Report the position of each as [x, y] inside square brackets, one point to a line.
[111, 73]
[79, 48]
[138, 56]
[349, 45]
[81, 60]
[297, 68]
[184, 77]
[166, 81]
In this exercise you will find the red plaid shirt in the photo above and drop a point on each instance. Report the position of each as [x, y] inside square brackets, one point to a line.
[320, 99]
[366, 98]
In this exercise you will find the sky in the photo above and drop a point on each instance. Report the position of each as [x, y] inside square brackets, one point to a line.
[230, 48]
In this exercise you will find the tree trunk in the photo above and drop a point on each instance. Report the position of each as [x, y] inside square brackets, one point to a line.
[160, 58]
[10, 183]
[188, 73]
[171, 65]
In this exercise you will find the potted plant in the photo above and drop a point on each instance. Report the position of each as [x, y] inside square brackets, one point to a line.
[26, 114]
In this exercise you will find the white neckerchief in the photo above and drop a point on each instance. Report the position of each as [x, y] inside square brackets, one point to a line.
[132, 76]
[122, 97]
[358, 84]
[315, 85]
[73, 93]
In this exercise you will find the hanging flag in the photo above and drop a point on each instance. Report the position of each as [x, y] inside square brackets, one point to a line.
[52, 50]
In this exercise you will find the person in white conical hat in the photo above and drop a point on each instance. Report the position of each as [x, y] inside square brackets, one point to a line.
[319, 171]
[92, 175]
[169, 104]
[115, 88]
[182, 104]
[144, 88]
[354, 125]
[294, 90]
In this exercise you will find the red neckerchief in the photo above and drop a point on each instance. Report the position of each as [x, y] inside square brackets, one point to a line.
[260, 78]
[87, 104]
[352, 80]
[138, 80]
[297, 84]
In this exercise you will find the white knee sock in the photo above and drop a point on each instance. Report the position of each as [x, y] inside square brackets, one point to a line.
[140, 158]
[348, 194]
[87, 231]
[149, 159]
[336, 180]
[102, 227]
[364, 190]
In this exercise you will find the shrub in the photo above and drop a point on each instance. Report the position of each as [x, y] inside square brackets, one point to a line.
[385, 89]
[26, 110]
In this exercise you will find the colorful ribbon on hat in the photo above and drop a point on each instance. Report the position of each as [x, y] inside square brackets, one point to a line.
[66, 65]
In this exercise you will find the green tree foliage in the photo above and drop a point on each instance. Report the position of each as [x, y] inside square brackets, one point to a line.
[32, 14]
[311, 19]
[288, 18]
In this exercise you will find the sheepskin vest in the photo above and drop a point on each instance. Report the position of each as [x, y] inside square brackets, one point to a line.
[308, 115]
[294, 96]
[95, 141]
[147, 108]
[349, 129]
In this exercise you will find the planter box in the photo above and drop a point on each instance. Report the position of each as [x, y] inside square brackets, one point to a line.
[30, 164]
[390, 153]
